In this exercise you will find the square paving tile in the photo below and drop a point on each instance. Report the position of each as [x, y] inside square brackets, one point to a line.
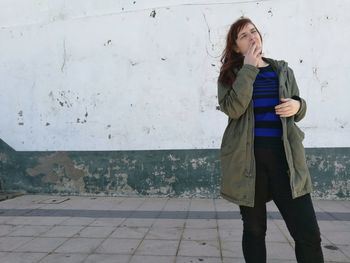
[200, 234]
[2, 254]
[96, 231]
[11, 243]
[107, 222]
[230, 223]
[157, 247]
[235, 260]
[201, 248]
[169, 223]
[20, 257]
[41, 244]
[78, 221]
[64, 258]
[5, 219]
[79, 245]
[224, 205]
[231, 249]
[177, 204]
[201, 223]
[107, 258]
[118, 246]
[164, 233]
[138, 222]
[182, 259]
[130, 232]
[205, 204]
[30, 231]
[62, 231]
[330, 205]
[331, 254]
[345, 249]
[152, 259]
[38, 220]
[7, 229]
[230, 234]
[334, 226]
[153, 204]
[346, 204]
[337, 237]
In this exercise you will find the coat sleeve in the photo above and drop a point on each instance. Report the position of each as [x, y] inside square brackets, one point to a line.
[295, 95]
[234, 100]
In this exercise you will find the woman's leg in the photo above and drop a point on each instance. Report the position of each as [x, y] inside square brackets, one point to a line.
[301, 222]
[254, 231]
[298, 214]
[254, 218]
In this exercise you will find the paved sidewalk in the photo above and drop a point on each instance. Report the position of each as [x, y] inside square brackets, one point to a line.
[50, 229]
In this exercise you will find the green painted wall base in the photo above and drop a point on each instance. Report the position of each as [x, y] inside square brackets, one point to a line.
[180, 173]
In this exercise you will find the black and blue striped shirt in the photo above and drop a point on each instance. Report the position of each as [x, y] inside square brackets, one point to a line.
[268, 126]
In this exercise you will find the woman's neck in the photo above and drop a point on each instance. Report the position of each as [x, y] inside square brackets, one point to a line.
[262, 63]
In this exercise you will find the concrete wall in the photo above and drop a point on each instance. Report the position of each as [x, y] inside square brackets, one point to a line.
[141, 75]
[113, 77]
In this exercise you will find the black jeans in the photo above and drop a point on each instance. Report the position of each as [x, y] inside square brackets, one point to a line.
[272, 181]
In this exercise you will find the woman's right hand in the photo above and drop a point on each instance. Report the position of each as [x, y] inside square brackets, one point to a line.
[253, 55]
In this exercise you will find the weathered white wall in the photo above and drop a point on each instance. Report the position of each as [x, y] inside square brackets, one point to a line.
[129, 75]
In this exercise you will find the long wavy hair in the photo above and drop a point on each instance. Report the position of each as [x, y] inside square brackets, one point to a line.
[230, 59]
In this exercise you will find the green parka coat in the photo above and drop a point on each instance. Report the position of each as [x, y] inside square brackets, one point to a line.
[237, 147]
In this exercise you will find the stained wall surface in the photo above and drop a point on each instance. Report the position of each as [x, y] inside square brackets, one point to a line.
[141, 75]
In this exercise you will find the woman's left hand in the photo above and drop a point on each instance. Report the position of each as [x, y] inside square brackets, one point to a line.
[288, 107]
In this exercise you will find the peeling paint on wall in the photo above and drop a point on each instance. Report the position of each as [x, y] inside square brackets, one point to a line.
[159, 173]
[59, 170]
[153, 14]
[184, 173]
[20, 118]
[331, 172]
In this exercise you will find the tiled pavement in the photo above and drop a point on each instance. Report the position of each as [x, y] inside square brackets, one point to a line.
[50, 229]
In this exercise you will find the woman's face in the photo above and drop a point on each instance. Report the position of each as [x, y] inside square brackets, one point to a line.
[246, 36]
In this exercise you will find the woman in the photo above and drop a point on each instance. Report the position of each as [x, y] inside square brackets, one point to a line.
[262, 155]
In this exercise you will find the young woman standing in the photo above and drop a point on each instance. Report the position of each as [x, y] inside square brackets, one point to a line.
[262, 155]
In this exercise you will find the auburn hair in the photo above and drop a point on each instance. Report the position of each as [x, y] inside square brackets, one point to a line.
[230, 59]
